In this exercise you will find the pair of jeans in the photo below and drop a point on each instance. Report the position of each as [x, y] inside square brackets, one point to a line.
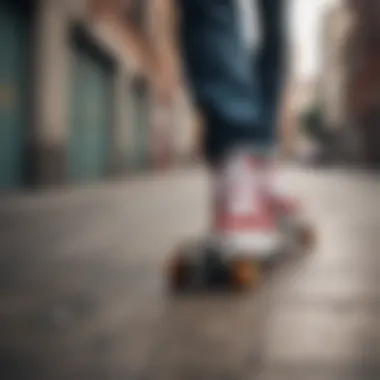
[238, 92]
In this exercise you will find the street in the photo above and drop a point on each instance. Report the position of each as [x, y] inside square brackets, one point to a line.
[83, 292]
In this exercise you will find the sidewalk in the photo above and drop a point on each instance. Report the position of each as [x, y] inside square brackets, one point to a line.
[83, 287]
[32, 198]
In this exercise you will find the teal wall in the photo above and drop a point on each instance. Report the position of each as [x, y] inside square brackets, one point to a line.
[90, 116]
[14, 53]
[141, 122]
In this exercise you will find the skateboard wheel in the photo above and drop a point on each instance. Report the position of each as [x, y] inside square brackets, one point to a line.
[306, 236]
[244, 273]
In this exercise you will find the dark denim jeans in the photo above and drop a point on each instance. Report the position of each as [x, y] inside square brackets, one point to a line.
[238, 93]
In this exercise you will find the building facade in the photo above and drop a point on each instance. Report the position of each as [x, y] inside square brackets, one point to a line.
[337, 24]
[80, 85]
[363, 89]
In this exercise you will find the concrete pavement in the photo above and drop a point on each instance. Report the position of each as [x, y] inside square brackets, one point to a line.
[83, 295]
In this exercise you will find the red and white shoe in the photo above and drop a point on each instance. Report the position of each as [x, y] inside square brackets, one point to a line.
[284, 203]
[291, 218]
[244, 220]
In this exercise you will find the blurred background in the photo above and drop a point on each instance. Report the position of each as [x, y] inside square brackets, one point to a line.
[101, 176]
[93, 89]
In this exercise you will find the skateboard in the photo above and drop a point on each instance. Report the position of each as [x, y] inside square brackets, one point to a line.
[296, 226]
[202, 264]
[241, 209]
[198, 265]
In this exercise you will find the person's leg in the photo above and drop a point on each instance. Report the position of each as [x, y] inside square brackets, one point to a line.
[219, 72]
[269, 64]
